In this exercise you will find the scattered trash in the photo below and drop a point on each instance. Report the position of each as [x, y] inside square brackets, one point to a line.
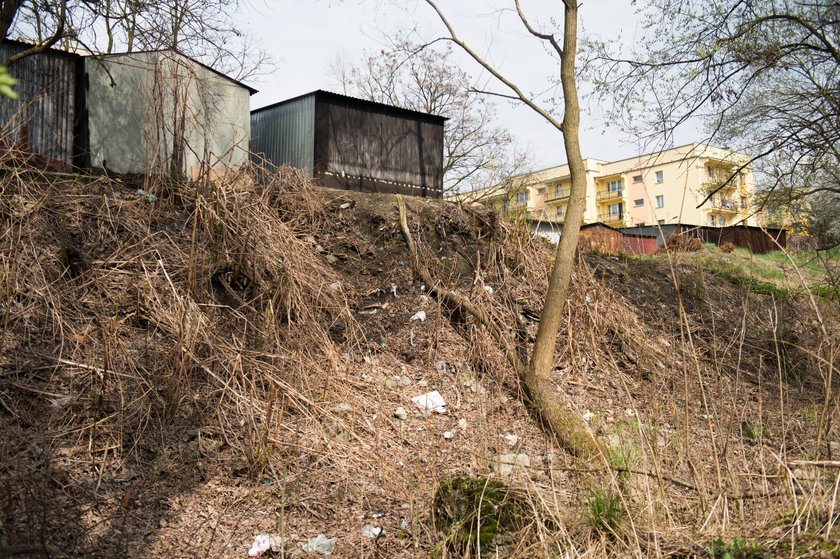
[331, 259]
[422, 287]
[630, 412]
[448, 435]
[263, 543]
[394, 289]
[345, 206]
[400, 413]
[588, 299]
[404, 523]
[511, 440]
[462, 424]
[377, 514]
[587, 415]
[441, 367]
[150, 197]
[508, 462]
[488, 289]
[335, 286]
[343, 407]
[320, 544]
[369, 531]
[430, 401]
[419, 315]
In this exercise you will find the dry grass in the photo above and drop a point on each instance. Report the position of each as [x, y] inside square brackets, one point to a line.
[180, 375]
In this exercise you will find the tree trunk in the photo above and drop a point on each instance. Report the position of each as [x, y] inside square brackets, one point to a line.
[569, 428]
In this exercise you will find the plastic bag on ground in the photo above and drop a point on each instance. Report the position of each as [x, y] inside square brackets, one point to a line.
[320, 544]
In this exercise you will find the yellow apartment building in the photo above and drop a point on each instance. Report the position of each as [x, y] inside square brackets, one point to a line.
[662, 187]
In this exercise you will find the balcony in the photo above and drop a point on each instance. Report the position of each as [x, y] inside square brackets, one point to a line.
[605, 195]
[555, 197]
[611, 219]
[725, 206]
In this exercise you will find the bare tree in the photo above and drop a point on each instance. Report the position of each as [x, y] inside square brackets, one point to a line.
[424, 78]
[202, 29]
[763, 76]
[535, 375]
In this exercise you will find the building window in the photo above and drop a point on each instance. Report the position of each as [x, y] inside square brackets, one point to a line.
[721, 221]
[614, 186]
[637, 179]
[638, 203]
[559, 212]
[710, 171]
[522, 197]
[661, 222]
[743, 202]
[660, 201]
[614, 209]
[712, 220]
[558, 190]
[541, 191]
[660, 177]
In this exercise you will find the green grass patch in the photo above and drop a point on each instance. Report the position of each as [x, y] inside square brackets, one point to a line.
[738, 548]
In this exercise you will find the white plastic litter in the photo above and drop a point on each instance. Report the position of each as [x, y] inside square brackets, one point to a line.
[488, 289]
[369, 531]
[430, 401]
[448, 435]
[263, 543]
[462, 424]
[394, 289]
[419, 315]
[588, 415]
[320, 544]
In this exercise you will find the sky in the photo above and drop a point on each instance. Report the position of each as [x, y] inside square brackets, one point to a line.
[306, 37]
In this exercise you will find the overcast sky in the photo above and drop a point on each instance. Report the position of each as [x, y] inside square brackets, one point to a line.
[306, 36]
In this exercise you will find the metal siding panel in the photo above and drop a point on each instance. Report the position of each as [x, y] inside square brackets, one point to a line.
[371, 148]
[40, 123]
[284, 135]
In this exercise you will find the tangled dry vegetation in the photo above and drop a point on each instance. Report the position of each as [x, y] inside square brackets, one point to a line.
[182, 374]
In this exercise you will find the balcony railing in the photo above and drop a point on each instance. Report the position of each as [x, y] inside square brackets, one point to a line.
[604, 195]
[725, 206]
[610, 219]
[557, 197]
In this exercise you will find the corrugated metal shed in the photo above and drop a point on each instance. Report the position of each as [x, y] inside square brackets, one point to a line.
[284, 134]
[350, 143]
[40, 125]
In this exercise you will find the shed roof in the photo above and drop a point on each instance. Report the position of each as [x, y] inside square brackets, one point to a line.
[62, 52]
[250, 89]
[329, 95]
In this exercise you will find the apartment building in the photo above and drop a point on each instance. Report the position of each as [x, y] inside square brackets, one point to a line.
[664, 187]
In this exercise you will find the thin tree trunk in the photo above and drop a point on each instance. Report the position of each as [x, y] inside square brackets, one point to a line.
[569, 428]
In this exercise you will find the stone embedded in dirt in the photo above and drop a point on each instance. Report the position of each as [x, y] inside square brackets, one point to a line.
[507, 463]
[400, 413]
[448, 435]
[462, 424]
[511, 439]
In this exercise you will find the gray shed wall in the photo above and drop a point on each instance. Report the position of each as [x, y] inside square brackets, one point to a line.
[163, 110]
[40, 123]
[285, 134]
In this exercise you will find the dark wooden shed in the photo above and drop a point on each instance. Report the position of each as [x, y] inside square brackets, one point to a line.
[350, 143]
[40, 127]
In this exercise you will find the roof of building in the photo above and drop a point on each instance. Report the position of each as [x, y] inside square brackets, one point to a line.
[324, 94]
[250, 89]
[85, 54]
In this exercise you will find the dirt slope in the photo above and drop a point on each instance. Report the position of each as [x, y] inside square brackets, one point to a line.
[178, 376]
